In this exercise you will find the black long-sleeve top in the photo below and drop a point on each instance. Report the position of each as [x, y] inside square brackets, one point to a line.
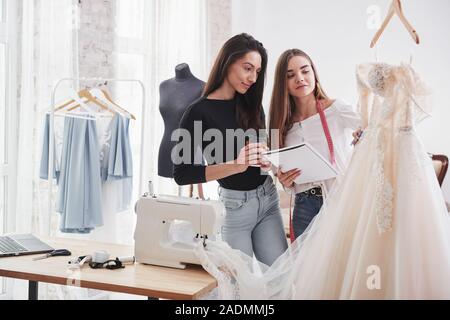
[219, 115]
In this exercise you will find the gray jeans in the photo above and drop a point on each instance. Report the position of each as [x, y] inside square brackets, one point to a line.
[253, 222]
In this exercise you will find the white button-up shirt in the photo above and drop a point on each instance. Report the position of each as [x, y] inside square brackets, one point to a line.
[342, 120]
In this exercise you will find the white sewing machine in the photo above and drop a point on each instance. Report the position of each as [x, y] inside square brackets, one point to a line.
[158, 215]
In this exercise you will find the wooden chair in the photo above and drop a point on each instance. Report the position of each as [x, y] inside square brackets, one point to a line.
[440, 164]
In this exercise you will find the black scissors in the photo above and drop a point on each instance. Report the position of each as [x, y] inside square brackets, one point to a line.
[54, 253]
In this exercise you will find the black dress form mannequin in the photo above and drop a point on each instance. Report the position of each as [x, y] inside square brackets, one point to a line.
[176, 94]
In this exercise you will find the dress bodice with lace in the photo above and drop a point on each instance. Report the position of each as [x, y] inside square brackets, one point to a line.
[391, 96]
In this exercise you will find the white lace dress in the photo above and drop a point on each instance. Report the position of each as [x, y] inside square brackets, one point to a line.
[384, 231]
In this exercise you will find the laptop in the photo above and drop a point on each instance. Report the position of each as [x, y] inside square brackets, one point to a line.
[21, 244]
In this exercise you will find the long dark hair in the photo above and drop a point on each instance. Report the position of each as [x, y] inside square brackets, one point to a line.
[249, 105]
[282, 104]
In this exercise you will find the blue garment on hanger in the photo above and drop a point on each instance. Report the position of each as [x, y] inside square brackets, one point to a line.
[119, 164]
[43, 171]
[80, 185]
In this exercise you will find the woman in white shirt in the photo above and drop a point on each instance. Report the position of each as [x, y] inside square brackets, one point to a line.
[302, 112]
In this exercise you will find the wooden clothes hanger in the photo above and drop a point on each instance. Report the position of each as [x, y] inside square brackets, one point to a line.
[107, 96]
[89, 98]
[89, 113]
[395, 8]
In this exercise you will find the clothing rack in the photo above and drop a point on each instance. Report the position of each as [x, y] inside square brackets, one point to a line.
[76, 82]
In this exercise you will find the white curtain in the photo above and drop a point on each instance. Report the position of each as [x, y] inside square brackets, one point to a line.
[161, 34]
[46, 56]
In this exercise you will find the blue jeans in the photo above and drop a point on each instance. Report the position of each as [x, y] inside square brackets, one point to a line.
[306, 207]
[253, 222]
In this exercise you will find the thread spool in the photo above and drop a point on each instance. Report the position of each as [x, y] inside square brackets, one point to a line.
[127, 259]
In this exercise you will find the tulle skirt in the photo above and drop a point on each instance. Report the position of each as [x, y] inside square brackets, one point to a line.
[383, 233]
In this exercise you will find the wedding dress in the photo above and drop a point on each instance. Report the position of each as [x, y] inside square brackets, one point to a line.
[384, 230]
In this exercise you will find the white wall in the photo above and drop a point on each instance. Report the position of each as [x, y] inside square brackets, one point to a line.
[337, 36]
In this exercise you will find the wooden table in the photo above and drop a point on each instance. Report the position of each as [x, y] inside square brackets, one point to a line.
[139, 279]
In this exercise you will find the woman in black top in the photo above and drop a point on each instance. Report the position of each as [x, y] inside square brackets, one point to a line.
[227, 123]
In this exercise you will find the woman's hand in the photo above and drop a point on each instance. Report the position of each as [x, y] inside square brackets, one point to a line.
[251, 155]
[287, 178]
[356, 136]
[266, 165]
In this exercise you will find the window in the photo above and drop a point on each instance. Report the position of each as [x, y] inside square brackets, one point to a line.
[3, 129]
[3, 109]
[7, 106]
[3, 137]
[130, 19]
[2, 10]
[4, 74]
